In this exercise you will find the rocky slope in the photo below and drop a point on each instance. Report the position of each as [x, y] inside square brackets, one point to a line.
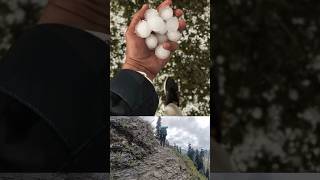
[136, 154]
[53, 176]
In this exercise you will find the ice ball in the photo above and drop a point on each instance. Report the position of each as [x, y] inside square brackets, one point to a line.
[163, 30]
[151, 41]
[142, 29]
[157, 24]
[162, 53]
[174, 36]
[150, 13]
[166, 13]
[172, 24]
[161, 38]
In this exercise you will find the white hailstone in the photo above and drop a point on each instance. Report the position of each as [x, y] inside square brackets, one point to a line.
[163, 30]
[157, 24]
[151, 41]
[162, 53]
[174, 36]
[142, 29]
[161, 38]
[150, 13]
[172, 24]
[166, 13]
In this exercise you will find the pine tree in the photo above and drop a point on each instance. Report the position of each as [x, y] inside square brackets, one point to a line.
[158, 128]
[207, 173]
[201, 165]
[199, 161]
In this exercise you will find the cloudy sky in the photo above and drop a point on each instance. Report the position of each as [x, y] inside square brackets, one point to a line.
[184, 130]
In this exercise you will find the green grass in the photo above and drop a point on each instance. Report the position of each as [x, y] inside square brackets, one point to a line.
[191, 169]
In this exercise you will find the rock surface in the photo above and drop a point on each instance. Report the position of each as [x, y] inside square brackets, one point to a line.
[54, 176]
[136, 154]
[131, 139]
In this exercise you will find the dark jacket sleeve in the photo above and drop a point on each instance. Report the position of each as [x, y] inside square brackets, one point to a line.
[54, 107]
[27, 143]
[131, 94]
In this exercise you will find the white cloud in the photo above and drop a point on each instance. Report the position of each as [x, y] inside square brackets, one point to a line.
[184, 130]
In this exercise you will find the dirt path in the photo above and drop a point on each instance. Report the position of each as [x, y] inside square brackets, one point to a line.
[163, 164]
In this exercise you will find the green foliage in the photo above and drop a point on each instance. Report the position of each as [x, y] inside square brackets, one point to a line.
[189, 65]
[15, 17]
[191, 168]
[197, 158]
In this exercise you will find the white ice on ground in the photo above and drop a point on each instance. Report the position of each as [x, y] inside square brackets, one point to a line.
[311, 115]
[257, 113]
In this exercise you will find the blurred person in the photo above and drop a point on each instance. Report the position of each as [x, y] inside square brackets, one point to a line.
[163, 135]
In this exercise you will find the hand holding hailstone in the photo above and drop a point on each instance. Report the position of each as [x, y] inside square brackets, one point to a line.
[164, 26]
[151, 36]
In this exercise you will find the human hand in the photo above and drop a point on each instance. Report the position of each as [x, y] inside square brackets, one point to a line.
[138, 56]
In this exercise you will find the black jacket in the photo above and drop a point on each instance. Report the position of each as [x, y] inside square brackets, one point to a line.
[53, 101]
[131, 94]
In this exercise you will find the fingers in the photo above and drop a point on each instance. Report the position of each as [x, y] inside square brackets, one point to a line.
[171, 46]
[178, 12]
[137, 17]
[164, 4]
[182, 25]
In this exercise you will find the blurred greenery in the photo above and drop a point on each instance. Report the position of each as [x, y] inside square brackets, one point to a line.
[189, 65]
[268, 66]
[191, 169]
[15, 17]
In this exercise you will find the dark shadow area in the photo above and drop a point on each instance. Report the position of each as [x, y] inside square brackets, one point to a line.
[267, 82]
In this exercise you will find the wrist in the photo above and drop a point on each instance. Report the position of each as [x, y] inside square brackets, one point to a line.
[71, 12]
[138, 68]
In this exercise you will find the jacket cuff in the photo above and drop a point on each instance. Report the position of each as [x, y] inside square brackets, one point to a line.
[136, 90]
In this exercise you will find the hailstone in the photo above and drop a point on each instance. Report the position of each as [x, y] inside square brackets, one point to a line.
[174, 36]
[162, 53]
[161, 38]
[150, 13]
[172, 24]
[157, 28]
[157, 24]
[166, 13]
[151, 41]
[142, 29]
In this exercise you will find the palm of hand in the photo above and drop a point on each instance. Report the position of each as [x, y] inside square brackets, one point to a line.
[138, 51]
[138, 55]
